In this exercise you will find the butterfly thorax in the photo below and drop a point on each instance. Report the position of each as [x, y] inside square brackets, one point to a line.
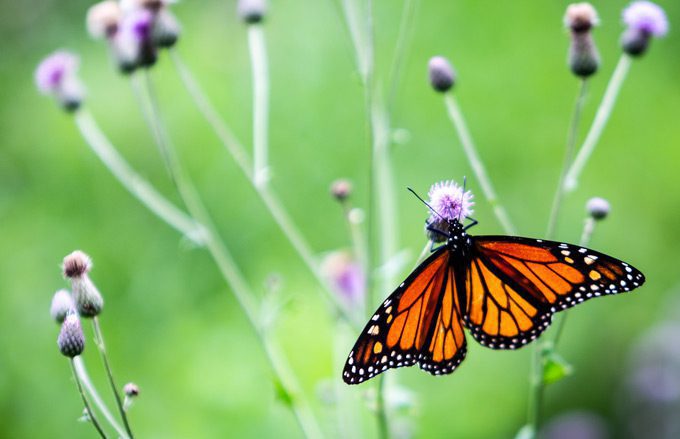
[458, 241]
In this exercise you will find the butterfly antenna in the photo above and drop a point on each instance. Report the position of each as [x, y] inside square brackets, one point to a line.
[425, 203]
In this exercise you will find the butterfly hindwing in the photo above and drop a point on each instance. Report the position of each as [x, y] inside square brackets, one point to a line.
[399, 331]
[516, 284]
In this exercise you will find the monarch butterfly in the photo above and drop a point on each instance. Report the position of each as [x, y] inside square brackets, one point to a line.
[503, 289]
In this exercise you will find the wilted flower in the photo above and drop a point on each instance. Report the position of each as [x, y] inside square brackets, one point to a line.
[449, 203]
[643, 20]
[89, 301]
[56, 76]
[103, 19]
[598, 208]
[71, 340]
[346, 277]
[584, 59]
[62, 305]
[252, 11]
[442, 76]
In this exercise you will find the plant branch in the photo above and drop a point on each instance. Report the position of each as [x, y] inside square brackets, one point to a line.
[90, 413]
[258, 58]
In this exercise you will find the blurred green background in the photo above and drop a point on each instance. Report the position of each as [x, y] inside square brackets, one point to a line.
[172, 325]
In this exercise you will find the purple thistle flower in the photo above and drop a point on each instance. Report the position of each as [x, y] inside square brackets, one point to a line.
[346, 277]
[646, 17]
[54, 70]
[450, 202]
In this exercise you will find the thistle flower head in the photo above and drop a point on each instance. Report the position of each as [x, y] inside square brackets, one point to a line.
[131, 390]
[581, 17]
[646, 17]
[134, 46]
[449, 201]
[62, 305]
[346, 277]
[71, 340]
[103, 19]
[56, 76]
[442, 76]
[598, 208]
[76, 264]
[252, 11]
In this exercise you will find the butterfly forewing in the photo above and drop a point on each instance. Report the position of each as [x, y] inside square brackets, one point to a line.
[400, 331]
[516, 284]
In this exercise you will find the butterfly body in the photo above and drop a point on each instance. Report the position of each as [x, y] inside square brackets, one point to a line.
[502, 289]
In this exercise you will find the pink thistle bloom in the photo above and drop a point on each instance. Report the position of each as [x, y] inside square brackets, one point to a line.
[448, 200]
[54, 70]
[647, 17]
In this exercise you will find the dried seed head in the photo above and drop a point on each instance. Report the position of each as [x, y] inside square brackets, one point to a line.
[598, 208]
[76, 264]
[442, 75]
[62, 305]
[71, 340]
[103, 19]
[341, 189]
[252, 11]
[581, 17]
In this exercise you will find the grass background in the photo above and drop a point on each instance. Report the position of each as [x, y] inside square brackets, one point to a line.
[170, 322]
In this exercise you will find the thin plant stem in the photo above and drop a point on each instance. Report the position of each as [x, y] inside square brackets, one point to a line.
[458, 121]
[81, 371]
[568, 155]
[269, 198]
[234, 278]
[90, 413]
[405, 30]
[258, 58]
[99, 341]
[133, 182]
[600, 121]
[383, 425]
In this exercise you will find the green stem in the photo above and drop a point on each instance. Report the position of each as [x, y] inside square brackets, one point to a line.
[600, 121]
[81, 372]
[405, 28]
[133, 182]
[458, 121]
[269, 198]
[99, 341]
[568, 155]
[90, 413]
[234, 278]
[258, 57]
[383, 425]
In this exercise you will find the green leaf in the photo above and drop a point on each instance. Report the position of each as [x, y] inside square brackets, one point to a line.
[282, 394]
[555, 368]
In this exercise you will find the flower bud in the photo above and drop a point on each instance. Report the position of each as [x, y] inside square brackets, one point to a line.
[131, 390]
[71, 340]
[442, 76]
[103, 19]
[581, 17]
[62, 305]
[643, 20]
[598, 208]
[166, 29]
[133, 46]
[88, 300]
[584, 59]
[252, 11]
[56, 76]
[341, 190]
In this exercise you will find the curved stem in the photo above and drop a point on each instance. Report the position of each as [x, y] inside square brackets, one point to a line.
[132, 181]
[568, 154]
[601, 118]
[90, 413]
[81, 371]
[258, 59]
[99, 341]
[458, 121]
[405, 29]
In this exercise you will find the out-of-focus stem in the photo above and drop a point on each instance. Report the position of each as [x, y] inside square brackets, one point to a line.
[601, 118]
[99, 341]
[258, 59]
[458, 121]
[81, 371]
[90, 413]
[405, 29]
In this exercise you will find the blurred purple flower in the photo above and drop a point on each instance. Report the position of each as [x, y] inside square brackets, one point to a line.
[576, 424]
[54, 70]
[647, 17]
[138, 23]
[346, 277]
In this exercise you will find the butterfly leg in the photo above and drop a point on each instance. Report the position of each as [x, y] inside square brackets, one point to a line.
[472, 224]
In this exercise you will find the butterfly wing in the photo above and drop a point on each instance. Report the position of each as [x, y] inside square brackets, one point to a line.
[515, 284]
[400, 332]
